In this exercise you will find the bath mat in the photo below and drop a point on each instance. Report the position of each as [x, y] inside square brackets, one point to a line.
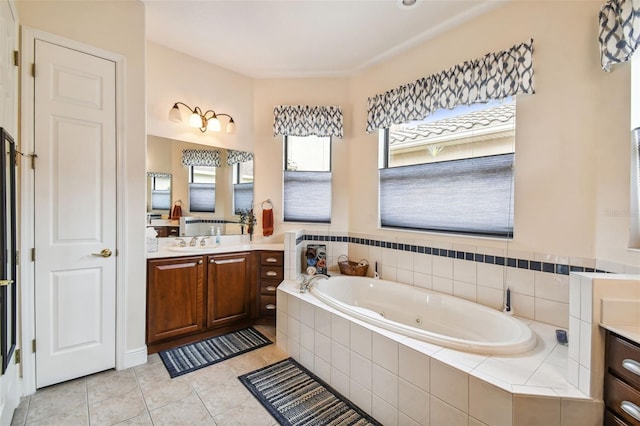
[187, 358]
[295, 396]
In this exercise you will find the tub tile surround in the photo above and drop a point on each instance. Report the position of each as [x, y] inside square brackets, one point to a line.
[595, 299]
[400, 380]
[547, 292]
[539, 283]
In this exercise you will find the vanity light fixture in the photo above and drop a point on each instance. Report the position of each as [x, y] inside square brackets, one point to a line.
[204, 121]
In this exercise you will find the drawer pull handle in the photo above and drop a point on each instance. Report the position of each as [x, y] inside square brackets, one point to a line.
[632, 365]
[271, 260]
[271, 288]
[199, 262]
[271, 274]
[631, 409]
[270, 306]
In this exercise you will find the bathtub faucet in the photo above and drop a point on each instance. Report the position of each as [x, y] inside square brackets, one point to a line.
[307, 281]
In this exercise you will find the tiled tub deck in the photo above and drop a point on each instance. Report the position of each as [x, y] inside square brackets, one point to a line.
[403, 381]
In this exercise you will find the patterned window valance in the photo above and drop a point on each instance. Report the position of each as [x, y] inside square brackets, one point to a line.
[159, 175]
[201, 157]
[307, 121]
[619, 31]
[494, 76]
[234, 157]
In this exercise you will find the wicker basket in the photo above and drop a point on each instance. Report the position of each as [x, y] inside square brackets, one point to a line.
[348, 267]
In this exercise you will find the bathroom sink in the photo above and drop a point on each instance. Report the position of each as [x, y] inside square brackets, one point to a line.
[193, 249]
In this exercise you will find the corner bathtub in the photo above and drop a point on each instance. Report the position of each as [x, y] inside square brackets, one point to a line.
[426, 315]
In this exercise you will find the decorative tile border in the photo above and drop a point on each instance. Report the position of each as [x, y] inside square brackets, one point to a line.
[191, 221]
[511, 262]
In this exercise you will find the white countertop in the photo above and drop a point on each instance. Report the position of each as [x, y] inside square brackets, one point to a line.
[631, 332]
[170, 248]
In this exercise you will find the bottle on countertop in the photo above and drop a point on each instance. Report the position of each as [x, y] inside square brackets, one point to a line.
[218, 239]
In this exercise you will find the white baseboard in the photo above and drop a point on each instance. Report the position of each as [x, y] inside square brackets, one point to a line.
[135, 357]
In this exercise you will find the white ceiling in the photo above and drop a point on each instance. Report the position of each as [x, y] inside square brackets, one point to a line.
[301, 38]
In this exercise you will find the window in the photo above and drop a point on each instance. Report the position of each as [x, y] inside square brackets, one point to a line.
[307, 179]
[202, 189]
[160, 193]
[242, 186]
[452, 172]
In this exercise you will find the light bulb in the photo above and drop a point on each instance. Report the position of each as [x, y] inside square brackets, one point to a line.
[175, 115]
[213, 124]
[231, 127]
[195, 120]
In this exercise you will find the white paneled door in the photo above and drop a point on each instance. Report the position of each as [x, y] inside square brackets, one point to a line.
[75, 213]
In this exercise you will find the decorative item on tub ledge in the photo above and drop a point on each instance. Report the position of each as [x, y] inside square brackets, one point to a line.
[204, 121]
[348, 267]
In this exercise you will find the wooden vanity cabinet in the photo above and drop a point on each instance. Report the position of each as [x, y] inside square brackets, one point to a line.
[621, 381]
[271, 274]
[194, 297]
[175, 297]
[229, 288]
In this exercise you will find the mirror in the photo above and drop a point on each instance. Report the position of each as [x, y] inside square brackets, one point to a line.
[225, 189]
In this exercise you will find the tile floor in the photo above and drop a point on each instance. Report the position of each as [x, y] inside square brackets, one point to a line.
[146, 395]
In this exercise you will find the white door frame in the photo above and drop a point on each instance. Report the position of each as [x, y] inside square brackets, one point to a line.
[27, 301]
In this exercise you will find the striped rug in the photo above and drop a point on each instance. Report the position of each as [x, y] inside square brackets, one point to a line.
[187, 358]
[295, 396]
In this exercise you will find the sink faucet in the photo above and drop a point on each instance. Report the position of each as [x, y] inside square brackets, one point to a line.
[193, 241]
[182, 242]
[307, 281]
[203, 241]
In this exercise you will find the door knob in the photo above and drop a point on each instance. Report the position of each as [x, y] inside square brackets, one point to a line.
[103, 253]
[5, 282]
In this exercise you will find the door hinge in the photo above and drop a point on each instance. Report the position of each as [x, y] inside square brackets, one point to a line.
[17, 258]
[33, 254]
[16, 58]
[33, 70]
[17, 358]
[33, 346]
[33, 160]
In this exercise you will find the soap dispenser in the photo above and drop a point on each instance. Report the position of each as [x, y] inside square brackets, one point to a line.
[218, 239]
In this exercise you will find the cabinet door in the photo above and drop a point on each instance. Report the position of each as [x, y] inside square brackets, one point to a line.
[175, 297]
[228, 288]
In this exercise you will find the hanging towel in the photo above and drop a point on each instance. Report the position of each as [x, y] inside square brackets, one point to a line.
[177, 211]
[267, 222]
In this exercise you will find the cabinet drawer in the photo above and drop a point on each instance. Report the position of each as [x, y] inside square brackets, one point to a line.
[622, 399]
[272, 273]
[269, 287]
[623, 358]
[272, 258]
[611, 419]
[267, 305]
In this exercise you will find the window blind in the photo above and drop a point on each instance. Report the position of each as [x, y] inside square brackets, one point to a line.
[470, 196]
[242, 196]
[160, 199]
[307, 196]
[202, 197]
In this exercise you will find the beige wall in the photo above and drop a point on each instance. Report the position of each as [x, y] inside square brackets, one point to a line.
[572, 136]
[269, 149]
[174, 77]
[119, 27]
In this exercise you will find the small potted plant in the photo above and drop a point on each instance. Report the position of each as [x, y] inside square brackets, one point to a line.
[247, 217]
